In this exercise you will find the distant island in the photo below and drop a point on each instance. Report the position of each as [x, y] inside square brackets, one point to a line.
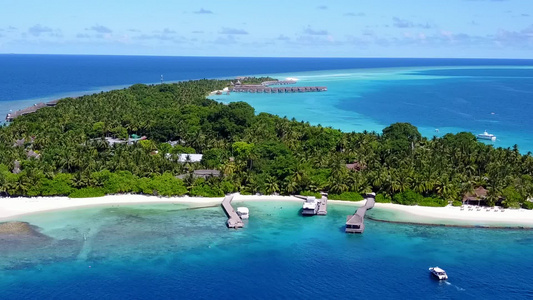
[170, 140]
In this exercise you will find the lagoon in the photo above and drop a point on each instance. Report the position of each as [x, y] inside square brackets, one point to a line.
[169, 251]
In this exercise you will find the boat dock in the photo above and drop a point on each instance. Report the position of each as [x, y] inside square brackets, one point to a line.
[234, 221]
[323, 209]
[355, 223]
[322, 205]
[267, 89]
[28, 110]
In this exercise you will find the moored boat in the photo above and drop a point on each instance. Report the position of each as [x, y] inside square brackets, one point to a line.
[486, 136]
[243, 212]
[311, 206]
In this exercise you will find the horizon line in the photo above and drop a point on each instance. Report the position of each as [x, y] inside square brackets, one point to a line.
[294, 57]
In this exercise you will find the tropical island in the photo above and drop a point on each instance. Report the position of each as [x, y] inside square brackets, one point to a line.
[170, 140]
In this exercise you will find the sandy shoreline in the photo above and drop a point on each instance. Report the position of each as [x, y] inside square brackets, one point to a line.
[13, 207]
[454, 215]
[10, 208]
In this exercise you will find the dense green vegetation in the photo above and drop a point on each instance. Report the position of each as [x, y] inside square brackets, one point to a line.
[256, 80]
[255, 153]
[347, 196]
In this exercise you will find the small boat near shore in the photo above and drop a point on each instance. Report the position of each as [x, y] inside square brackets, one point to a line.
[486, 136]
[439, 273]
[310, 206]
[243, 212]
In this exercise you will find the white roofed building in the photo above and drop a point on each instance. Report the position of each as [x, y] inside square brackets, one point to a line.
[183, 158]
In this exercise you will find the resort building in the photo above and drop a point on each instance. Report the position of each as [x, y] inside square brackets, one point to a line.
[201, 174]
[183, 158]
[477, 197]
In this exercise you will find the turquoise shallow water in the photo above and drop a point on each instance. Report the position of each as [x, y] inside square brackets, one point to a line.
[170, 251]
[450, 99]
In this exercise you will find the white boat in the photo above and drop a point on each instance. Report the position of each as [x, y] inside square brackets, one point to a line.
[439, 273]
[243, 212]
[486, 136]
[310, 206]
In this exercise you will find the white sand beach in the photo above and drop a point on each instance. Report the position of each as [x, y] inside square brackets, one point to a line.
[13, 207]
[473, 215]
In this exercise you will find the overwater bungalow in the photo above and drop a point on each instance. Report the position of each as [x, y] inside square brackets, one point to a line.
[355, 224]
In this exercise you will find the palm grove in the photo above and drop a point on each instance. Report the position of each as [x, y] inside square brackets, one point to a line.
[64, 152]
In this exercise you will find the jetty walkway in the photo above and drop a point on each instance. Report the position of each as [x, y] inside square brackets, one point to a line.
[28, 110]
[267, 89]
[234, 221]
[323, 208]
[355, 223]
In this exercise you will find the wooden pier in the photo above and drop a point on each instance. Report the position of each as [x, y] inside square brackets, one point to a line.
[28, 110]
[356, 223]
[323, 208]
[234, 221]
[268, 89]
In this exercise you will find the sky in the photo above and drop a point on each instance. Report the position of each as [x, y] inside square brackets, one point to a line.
[288, 28]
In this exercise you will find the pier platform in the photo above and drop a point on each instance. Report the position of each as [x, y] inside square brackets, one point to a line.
[234, 221]
[322, 205]
[268, 89]
[28, 110]
[356, 223]
[323, 209]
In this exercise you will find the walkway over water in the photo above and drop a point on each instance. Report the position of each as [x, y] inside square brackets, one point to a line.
[356, 223]
[267, 89]
[323, 209]
[234, 221]
[28, 110]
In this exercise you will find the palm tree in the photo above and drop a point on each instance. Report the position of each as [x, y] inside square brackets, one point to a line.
[291, 184]
[271, 185]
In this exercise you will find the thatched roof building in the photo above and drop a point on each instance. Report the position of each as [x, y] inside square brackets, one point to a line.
[476, 197]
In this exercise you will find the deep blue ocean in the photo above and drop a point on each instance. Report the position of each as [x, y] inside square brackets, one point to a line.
[450, 95]
[24, 77]
[173, 252]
